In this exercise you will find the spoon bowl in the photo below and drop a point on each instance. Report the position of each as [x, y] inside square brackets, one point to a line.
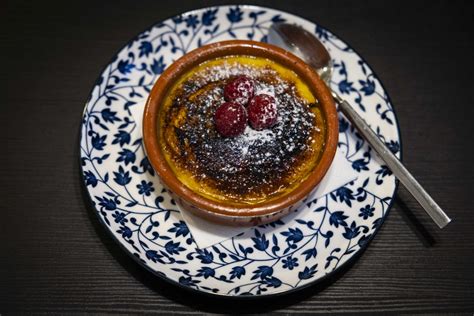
[302, 44]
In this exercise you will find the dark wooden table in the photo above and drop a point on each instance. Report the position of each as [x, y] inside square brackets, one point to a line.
[56, 257]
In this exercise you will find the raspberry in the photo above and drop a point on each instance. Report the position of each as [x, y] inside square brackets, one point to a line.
[230, 119]
[239, 90]
[262, 111]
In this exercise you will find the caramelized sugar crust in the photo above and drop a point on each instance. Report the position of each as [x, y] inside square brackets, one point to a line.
[257, 165]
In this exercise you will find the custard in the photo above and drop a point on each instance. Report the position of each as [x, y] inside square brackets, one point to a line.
[253, 167]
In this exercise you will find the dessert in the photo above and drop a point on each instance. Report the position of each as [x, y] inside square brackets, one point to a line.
[240, 132]
[241, 129]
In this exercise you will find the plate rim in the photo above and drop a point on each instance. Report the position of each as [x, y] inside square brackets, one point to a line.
[188, 289]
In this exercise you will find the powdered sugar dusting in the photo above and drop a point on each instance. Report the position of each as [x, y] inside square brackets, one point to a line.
[266, 89]
[255, 162]
[251, 136]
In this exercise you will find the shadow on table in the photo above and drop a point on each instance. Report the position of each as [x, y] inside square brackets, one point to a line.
[210, 303]
[412, 220]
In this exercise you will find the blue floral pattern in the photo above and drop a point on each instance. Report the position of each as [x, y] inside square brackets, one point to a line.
[299, 249]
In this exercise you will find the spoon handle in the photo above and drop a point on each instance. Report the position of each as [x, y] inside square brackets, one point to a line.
[405, 177]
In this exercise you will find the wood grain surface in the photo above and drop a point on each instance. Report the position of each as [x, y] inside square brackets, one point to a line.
[56, 258]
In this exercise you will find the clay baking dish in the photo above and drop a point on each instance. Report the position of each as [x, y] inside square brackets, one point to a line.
[222, 212]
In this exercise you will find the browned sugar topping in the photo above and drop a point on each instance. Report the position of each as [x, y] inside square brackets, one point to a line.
[255, 163]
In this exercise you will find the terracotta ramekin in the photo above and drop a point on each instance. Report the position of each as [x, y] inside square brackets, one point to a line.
[219, 211]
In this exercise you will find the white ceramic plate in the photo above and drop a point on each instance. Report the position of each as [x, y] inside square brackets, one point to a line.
[289, 254]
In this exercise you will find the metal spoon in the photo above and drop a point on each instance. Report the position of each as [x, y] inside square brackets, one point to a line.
[306, 46]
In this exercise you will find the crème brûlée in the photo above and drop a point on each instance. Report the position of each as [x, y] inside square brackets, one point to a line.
[256, 165]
